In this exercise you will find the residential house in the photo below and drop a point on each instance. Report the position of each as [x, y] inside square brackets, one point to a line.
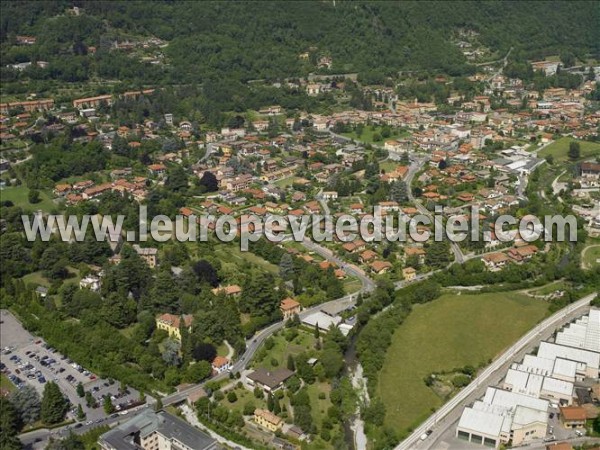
[380, 267]
[573, 416]
[366, 256]
[330, 195]
[268, 380]
[357, 208]
[289, 307]
[28, 106]
[92, 102]
[415, 251]
[148, 254]
[268, 420]
[221, 364]
[409, 273]
[590, 170]
[232, 290]
[157, 169]
[61, 190]
[522, 254]
[495, 261]
[90, 282]
[171, 323]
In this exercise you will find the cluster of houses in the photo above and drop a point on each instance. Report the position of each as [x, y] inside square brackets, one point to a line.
[77, 192]
[560, 379]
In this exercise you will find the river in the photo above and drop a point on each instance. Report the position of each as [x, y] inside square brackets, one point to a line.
[354, 428]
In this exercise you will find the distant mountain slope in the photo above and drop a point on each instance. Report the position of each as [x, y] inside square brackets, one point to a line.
[253, 40]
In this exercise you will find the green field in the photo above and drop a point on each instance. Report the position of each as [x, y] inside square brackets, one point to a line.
[389, 165]
[550, 288]
[36, 279]
[560, 149]
[18, 195]
[368, 132]
[285, 182]
[282, 348]
[450, 332]
[232, 255]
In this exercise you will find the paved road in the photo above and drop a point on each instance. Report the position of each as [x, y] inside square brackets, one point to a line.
[190, 416]
[417, 164]
[253, 344]
[367, 283]
[504, 63]
[523, 180]
[209, 151]
[323, 202]
[448, 414]
[37, 439]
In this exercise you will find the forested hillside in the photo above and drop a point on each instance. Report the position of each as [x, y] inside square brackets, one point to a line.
[263, 40]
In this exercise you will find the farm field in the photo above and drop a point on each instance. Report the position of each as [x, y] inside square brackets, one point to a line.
[450, 332]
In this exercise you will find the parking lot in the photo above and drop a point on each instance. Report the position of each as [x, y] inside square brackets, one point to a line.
[26, 359]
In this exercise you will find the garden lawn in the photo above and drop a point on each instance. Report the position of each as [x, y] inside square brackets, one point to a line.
[233, 255]
[19, 196]
[319, 406]
[367, 135]
[305, 341]
[243, 396]
[351, 285]
[36, 278]
[447, 333]
[285, 182]
[560, 149]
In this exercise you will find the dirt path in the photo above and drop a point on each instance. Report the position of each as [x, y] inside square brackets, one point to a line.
[583, 265]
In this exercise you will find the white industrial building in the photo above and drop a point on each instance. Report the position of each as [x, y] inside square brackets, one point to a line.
[518, 411]
[558, 391]
[583, 333]
[559, 368]
[539, 386]
[588, 362]
[503, 416]
[321, 320]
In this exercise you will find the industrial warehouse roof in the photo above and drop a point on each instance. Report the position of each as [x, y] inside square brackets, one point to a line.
[481, 422]
[524, 382]
[584, 333]
[510, 400]
[558, 386]
[552, 351]
[524, 416]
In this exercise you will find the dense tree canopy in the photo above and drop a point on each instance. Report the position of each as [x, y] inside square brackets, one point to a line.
[258, 40]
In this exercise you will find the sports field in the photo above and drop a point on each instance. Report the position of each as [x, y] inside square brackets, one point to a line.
[450, 332]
